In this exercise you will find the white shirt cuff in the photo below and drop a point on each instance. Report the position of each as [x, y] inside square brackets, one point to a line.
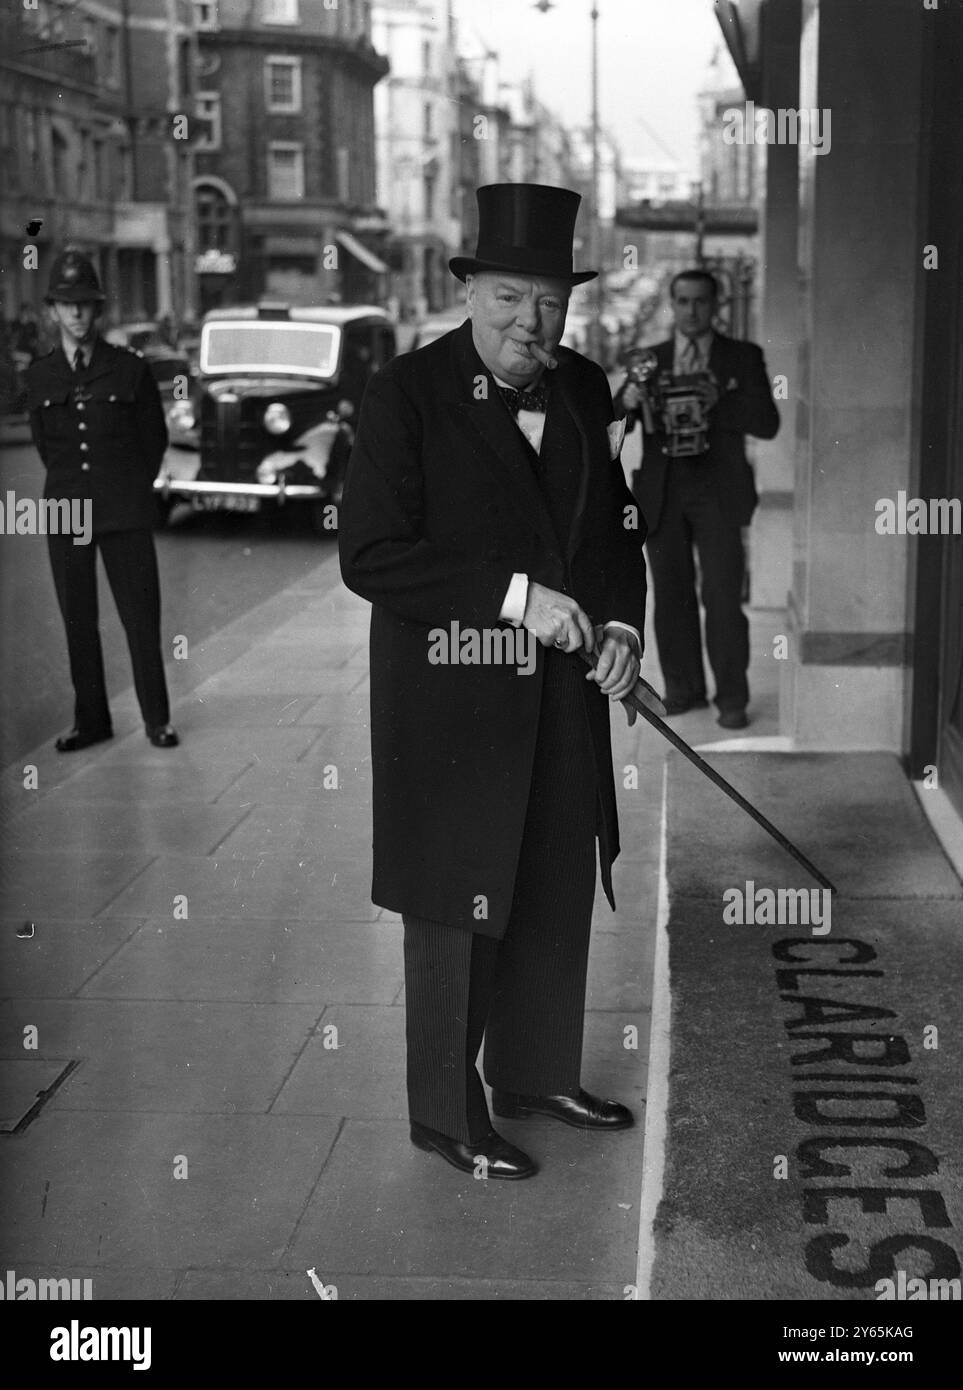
[626, 627]
[516, 601]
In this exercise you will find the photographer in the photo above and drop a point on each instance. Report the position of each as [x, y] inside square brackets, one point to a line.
[702, 500]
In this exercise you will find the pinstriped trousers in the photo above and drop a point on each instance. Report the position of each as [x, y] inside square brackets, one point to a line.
[524, 993]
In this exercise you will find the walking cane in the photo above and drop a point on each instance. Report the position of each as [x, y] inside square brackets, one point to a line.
[646, 702]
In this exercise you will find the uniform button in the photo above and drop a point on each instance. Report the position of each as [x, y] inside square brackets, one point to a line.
[46, 402]
[85, 468]
[84, 447]
[81, 406]
[81, 426]
[112, 398]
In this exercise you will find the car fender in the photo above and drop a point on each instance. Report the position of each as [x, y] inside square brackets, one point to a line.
[315, 447]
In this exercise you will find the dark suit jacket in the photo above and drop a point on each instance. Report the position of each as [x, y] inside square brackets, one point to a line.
[441, 506]
[745, 407]
[117, 402]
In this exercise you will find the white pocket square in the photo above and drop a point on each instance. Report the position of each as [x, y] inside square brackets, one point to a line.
[616, 435]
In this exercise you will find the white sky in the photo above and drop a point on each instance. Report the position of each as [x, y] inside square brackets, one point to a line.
[653, 56]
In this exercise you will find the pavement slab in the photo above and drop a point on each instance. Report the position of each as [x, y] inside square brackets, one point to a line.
[258, 961]
[55, 883]
[364, 1077]
[295, 1285]
[313, 889]
[154, 1055]
[98, 1191]
[384, 1207]
[60, 956]
[138, 829]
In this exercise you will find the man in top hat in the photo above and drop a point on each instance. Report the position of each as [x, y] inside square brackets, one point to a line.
[98, 424]
[486, 518]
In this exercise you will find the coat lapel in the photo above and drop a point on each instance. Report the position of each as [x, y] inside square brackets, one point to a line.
[564, 396]
[497, 440]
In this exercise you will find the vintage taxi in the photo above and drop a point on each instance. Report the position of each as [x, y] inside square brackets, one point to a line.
[277, 391]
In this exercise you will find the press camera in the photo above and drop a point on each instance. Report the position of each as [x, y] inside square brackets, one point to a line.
[674, 404]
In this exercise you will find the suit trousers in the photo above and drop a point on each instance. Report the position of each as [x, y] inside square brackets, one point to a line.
[525, 993]
[131, 564]
[692, 516]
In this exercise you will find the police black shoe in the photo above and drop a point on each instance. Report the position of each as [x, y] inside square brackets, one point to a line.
[163, 736]
[77, 739]
[491, 1157]
[583, 1110]
[682, 705]
[733, 719]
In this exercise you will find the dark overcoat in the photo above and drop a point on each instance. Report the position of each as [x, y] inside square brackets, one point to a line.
[745, 406]
[101, 434]
[441, 506]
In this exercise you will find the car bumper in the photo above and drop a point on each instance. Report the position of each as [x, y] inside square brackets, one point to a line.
[182, 487]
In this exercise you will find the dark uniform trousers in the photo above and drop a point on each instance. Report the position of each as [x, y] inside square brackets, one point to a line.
[525, 993]
[131, 564]
[691, 515]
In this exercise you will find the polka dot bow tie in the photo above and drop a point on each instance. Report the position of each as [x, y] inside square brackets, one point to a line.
[535, 398]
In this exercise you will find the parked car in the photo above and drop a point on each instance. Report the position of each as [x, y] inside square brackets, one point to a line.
[177, 382]
[277, 390]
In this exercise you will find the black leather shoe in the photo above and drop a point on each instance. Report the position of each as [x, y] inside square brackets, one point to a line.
[76, 739]
[733, 719]
[503, 1160]
[163, 736]
[677, 706]
[582, 1110]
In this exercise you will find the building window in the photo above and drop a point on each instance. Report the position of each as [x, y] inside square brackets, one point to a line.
[215, 219]
[61, 162]
[84, 170]
[282, 85]
[205, 14]
[429, 187]
[285, 168]
[279, 11]
[90, 38]
[112, 55]
[125, 174]
[426, 56]
[100, 172]
[209, 115]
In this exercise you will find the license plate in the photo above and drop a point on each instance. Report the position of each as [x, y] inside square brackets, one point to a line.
[225, 502]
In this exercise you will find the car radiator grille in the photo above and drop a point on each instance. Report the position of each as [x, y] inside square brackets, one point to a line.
[231, 447]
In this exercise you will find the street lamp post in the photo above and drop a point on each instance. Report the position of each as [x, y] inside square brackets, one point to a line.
[597, 337]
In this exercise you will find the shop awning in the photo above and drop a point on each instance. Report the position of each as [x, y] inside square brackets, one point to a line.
[361, 252]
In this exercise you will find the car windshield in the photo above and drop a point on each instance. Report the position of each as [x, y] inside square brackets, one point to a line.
[298, 349]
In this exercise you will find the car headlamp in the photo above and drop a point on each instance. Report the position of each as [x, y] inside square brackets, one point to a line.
[277, 418]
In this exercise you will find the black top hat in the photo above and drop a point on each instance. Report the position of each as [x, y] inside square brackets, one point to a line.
[527, 228]
[73, 280]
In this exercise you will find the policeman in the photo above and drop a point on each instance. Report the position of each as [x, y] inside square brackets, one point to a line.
[98, 425]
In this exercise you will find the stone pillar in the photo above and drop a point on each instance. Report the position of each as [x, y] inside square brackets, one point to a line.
[771, 534]
[860, 262]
